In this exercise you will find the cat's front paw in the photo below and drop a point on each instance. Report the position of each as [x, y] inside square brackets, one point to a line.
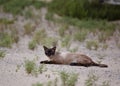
[44, 62]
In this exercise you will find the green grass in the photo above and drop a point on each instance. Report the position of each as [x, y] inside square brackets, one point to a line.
[65, 42]
[80, 35]
[6, 21]
[37, 84]
[32, 45]
[91, 80]
[2, 54]
[68, 79]
[6, 40]
[28, 29]
[92, 45]
[16, 6]
[30, 66]
[63, 29]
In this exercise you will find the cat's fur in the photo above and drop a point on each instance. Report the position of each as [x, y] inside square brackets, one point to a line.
[73, 59]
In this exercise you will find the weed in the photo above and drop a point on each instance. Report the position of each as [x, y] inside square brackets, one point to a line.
[6, 21]
[48, 41]
[2, 54]
[66, 41]
[49, 16]
[39, 35]
[49, 83]
[28, 28]
[42, 68]
[62, 30]
[80, 35]
[29, 66]
[68, 79]
[6, 40]
[32, 45]
[91, 80]
[92, 45]
[37, 84]
[105, 83]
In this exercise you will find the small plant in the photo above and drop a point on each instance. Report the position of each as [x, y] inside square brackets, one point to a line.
[91, 80]
[62, 30]
[68, 79]
[28, 28]
[74, 49]
[2, 54]
[29, 66]
[37, 84]
[6, 40]
[80, 35]
[42, 68]
[32, 45]
[66, 41]
[92, 45]
[49, 16]
[105, 83]
[6, 21]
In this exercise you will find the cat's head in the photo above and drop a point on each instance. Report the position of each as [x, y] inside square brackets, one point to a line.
[49, 51]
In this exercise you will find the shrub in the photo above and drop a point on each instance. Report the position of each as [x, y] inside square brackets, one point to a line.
[68, 79]
[29, 66]
[2, 54]
[83, 9]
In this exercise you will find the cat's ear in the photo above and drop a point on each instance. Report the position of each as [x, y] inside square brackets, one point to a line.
[45, 48]
[54, 48]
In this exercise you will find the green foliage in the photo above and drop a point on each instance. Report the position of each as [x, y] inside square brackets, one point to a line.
[32, 45]
[63, 29]
[29, 66]
[17, 6]
[6, 21]
[2, 54]
[80, 35]
[83, 9]
[6, 40]
[68, 79]
[91, 80]
[92, 45]
[37, 84]
[28, 28]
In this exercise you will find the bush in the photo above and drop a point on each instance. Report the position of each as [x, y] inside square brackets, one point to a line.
[16, 6]
[83, 9]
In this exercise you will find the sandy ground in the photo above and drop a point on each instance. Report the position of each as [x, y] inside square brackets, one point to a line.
[19, 52]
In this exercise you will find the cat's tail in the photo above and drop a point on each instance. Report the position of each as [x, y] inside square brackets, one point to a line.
[100, 65]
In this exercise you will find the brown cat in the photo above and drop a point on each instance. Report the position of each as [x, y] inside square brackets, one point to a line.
[72, 59]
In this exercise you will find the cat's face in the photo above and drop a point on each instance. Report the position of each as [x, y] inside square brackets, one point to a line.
[49, 51]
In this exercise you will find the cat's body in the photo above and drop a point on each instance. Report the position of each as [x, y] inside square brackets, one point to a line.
[74, 59]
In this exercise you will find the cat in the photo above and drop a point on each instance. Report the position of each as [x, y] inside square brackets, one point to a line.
[73, 59]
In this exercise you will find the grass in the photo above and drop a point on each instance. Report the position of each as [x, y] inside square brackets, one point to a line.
[32, 45]
[92, 45]
[2, 54]
[40, 37]
[33, 69]
[6, 21]
[16, 6]
[65, 42]
[28, 29]
[105, 83]
[91, 80]
[63, 29]
[6, 40]
[68, 79]
[37, 84]
[80, 35]
[29, 66]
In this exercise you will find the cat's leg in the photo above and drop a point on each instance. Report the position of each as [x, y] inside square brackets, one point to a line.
[48, 62]
[79, 64]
